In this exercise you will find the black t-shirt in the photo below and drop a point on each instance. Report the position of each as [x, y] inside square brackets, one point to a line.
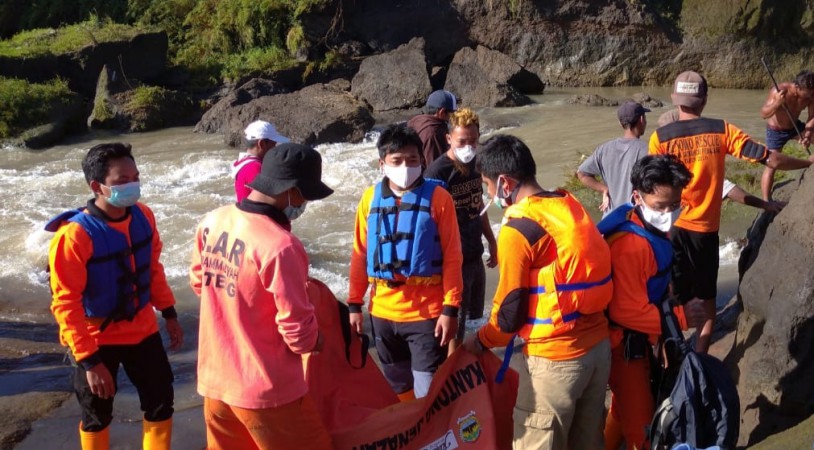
[467, 193]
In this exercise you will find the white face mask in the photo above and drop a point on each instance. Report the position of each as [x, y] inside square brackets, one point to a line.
[501, 199]
[402, 176]
[662, 221]
[464, 154]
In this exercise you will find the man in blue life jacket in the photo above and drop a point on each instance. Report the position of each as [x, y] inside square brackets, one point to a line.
[407, 250]
[642, 259]
[106, 282]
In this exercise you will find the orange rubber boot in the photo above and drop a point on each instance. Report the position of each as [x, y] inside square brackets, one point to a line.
[157, 435]
[94, 440]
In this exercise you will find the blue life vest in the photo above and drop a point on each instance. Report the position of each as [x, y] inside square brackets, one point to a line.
[619, 221]
[402, 239]
[115, 290]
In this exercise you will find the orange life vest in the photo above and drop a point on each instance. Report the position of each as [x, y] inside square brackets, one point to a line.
[578, 281]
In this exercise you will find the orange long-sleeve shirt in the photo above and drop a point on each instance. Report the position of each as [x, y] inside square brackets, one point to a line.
[70, 249]
[702, 145]
[410, 303]
[633, 264]
[518, 258]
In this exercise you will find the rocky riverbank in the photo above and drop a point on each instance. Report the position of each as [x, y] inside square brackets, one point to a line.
[394, 53]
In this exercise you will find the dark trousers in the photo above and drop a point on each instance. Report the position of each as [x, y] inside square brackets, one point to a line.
[147, 367]
[472, 298]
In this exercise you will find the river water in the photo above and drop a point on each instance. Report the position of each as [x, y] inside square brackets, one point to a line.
[184, 175]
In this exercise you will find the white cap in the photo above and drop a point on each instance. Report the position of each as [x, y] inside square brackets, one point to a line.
[260, 129]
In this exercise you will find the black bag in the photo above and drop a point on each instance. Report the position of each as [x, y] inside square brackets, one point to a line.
[703, 407]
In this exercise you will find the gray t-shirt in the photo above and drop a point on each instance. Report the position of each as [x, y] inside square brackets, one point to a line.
[613, 161]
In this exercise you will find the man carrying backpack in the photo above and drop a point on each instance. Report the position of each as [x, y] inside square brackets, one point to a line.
[642, 257]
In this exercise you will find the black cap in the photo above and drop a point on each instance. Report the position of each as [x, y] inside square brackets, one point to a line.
[630, 112]
[291, 165]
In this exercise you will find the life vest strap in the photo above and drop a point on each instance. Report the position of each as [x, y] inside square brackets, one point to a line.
[403, 206]
[507, 359]
[379, 210]
[397, 236]
[411, 281]
[566, 287]
[123, 253]
[550, 321]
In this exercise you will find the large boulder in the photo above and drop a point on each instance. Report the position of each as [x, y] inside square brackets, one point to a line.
[484, 77]
[215, 119]
[121, 106]
[774, 348]
[143, 57]
[317, 114]
[385, 25]
[394, 80]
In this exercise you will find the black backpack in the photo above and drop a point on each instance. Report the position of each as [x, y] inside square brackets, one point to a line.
[702, 408]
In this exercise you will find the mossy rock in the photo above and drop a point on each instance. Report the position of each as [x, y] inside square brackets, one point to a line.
[27, 106]
[147, 108]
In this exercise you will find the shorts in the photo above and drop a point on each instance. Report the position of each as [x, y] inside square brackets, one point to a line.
[777, 139]
[404, 347]
[695, 265]
[149, 370]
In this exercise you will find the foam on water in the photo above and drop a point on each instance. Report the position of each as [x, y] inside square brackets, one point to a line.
[729, 252]
[180, 185]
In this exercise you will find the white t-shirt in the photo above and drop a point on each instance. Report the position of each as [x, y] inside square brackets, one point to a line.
[728, 186]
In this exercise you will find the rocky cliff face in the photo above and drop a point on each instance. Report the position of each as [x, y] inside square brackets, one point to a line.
[597, 43]
[774, 347]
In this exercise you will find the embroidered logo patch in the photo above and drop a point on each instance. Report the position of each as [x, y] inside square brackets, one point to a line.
[686, 87]
[469, 427]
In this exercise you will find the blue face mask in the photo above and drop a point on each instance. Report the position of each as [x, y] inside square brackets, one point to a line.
[293, 212]
[124, 195]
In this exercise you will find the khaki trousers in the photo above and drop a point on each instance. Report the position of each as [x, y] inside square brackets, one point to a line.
[291, 426]
[561, 404]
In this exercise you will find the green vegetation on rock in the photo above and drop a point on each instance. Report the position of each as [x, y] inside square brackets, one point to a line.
[24, 105]
[232, 38]
[44, 41]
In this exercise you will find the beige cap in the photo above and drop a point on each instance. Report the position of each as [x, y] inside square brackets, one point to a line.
[689, 89]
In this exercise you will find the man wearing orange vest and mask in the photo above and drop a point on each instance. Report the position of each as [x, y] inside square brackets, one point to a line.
[407, 249]
[642, 258]
[555, 283]
[106, 280]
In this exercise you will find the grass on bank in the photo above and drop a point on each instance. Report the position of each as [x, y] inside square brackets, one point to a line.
[743, 173]
[71, 38]
[24, 105]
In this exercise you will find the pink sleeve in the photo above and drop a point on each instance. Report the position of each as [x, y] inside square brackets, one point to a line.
[285, 277]
[245, 176]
